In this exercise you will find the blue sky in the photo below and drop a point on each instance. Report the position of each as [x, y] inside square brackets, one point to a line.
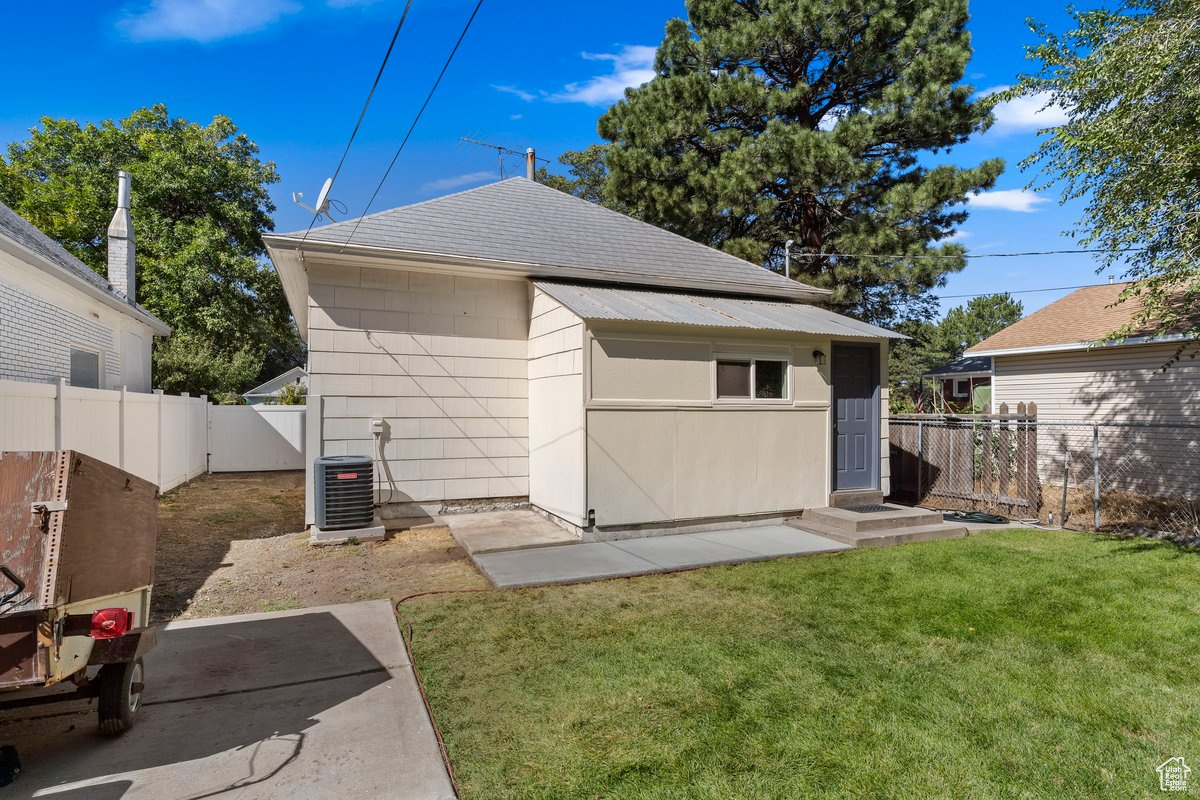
[293, 74]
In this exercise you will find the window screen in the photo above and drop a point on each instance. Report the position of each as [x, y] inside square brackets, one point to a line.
[733, 379]
[770, 379]
[85, 369]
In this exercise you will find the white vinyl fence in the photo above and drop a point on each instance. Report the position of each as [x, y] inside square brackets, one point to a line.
[164, 439]
[255, 438]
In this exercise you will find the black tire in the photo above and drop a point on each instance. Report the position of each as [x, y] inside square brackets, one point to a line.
[120, 696]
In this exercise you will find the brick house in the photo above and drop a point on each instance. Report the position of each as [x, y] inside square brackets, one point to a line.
[60, 319]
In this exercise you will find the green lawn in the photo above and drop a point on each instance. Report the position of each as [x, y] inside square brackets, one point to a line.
[1022, 664]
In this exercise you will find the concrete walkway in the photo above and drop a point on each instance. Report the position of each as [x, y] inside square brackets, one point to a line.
[582, 562]
[315, 703]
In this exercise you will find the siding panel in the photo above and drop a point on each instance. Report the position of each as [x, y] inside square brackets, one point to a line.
[422, 352]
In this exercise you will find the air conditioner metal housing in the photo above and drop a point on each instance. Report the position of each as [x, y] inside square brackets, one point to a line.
[344, 492]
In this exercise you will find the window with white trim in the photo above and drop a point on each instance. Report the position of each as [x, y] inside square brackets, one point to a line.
[962, 387]
[85, 368]
[752, 379]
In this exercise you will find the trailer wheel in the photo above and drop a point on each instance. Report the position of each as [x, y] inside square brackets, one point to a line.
[120, 696]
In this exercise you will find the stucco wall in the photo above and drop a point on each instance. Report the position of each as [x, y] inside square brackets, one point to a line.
[557, 447]
[441, 358]
[661, 448]
[42, 318]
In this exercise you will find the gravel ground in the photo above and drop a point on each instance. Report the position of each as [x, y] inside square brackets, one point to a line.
[233, 543]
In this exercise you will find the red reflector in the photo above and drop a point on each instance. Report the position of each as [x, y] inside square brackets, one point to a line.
[109, 623]
[347, 476]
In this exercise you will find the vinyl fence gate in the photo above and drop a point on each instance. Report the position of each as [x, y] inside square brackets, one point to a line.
[256, 438]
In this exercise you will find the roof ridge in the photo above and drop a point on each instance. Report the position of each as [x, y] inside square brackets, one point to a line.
[526, 184]
[57, 246]
[406, 206]
[628, 218]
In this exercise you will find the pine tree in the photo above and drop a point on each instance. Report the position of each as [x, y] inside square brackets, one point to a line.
[816, 121]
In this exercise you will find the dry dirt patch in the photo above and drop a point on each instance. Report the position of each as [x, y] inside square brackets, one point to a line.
[232, 543]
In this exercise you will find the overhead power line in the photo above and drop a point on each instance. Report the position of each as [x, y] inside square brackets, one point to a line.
[1020, 291]
[366, 104]
[801, 254]
[411, 128]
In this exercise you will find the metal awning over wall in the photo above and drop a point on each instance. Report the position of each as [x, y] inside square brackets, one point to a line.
[637, 305]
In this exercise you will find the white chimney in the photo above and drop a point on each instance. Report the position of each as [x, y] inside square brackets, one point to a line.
[120, 243]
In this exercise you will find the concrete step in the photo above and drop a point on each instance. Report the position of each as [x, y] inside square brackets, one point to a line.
[885, 538]
[872, 518]
[852, 498]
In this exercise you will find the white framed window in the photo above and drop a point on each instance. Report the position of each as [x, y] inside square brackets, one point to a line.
[962, 387]
[751, 379]
[85, 368]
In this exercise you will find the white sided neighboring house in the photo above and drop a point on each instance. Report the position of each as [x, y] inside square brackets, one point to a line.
[1058, 358]
[515, 342]
[266, 391]
[59, 319]
[1145, 416]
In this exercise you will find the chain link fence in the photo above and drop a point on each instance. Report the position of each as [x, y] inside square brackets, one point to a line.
[1140, 478]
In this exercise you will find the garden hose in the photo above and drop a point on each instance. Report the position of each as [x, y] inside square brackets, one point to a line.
[974, 516]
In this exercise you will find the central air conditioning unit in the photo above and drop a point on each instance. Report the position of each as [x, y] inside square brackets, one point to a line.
[344, 492]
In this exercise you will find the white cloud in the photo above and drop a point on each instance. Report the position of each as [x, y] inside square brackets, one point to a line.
[1008, 200]
[632, 66]
[442, 184]
[516, 116]
[1024, 114]
[202, 20]
[957, 236]
[515, 91]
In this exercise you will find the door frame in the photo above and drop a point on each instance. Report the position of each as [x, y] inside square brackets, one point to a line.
[876, 417]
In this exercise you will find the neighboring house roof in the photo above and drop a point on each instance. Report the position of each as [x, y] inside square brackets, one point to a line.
[1076, 322]
[272, 386]
[36, 248]
[639, 305]
[963, 367]
[528, 229]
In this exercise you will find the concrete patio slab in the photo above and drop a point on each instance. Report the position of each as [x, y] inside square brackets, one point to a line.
[566, 563]
[494, 531]
[770, 541]
[598, 560]
[313, 703]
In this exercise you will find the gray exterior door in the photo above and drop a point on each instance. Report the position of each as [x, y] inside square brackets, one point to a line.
[855, 374]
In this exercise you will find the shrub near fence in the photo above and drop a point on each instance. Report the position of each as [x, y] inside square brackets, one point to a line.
[158, 437]
[1114, 476]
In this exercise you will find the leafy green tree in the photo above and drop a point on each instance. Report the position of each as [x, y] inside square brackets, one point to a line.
[809, 120]
[587, 174]
[290, 394]
[199, 206]
[908, 361]
[966, 326]
[1129, 82]
[931, 345]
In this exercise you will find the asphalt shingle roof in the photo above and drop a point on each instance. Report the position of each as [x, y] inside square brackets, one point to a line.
[1084, 316]
[524, 222]
[963, 366]
[612, 303]
[18, 229]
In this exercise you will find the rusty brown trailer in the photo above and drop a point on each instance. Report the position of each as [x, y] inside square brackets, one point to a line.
[78, 536]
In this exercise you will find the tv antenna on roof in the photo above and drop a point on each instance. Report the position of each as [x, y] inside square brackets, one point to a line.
[502, 151]
[323, 201]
